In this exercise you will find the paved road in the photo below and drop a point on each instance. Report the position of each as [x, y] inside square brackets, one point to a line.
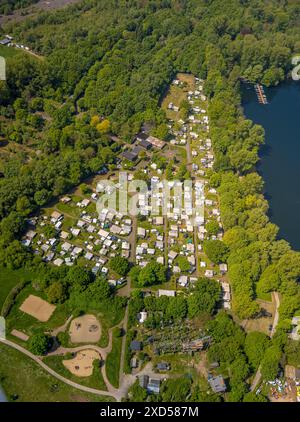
[125, 381]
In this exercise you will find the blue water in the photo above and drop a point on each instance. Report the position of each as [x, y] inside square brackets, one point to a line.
[280, 157]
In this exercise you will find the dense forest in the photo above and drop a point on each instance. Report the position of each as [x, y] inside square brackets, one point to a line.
[114, 59]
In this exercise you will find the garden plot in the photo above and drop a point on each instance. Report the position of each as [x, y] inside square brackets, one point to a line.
[20, 335]
[82, 365]
[37, 308]
[85, 329]
[177, 338]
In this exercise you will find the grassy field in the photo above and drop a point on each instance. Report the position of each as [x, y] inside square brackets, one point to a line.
[263, 323]
[19, 320]
[113, 360]
[179, 363]
[94, 381]
[177, 94]
[26, 323]
[22, 377]
[7, 52]
[267, 297]
[10, 278]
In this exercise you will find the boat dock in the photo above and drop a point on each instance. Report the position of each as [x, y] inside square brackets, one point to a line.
[260, 92]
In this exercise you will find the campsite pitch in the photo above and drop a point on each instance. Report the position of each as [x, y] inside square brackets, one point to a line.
[82, 364]
[37, 308]
[85, 329]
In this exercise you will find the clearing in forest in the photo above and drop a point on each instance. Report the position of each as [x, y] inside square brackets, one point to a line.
[263, 321]
[177, 93]
[82, 364]
[37, 308]
[85, 329]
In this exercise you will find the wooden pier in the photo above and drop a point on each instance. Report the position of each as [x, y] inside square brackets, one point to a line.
[261, 96]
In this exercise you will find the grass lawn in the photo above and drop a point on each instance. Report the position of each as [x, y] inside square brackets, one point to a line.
[21, 376]
[263, 323]
[16, 319]
[179, 363]
[72, 210]
[175, 95]
[113, 360]
[94, 381]
[105, 325]
[108, 316]
[24, 322]
[7, 52]
[265, 296]
[10, 278]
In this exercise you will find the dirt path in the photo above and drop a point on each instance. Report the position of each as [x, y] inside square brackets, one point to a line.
[38, 360]
[125, 381]
[276, 299]
[104, 351]
[256, 379]
[62, 328]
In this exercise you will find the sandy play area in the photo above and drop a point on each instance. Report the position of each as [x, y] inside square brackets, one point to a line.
[85, 329]
[82, 364]
[38, 308]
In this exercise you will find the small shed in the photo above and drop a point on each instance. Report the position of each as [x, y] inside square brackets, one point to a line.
[163, 366]
[145, 144]
[136, 346]
[217, 384]
[143, 381]
[130, 156]
[154, 386]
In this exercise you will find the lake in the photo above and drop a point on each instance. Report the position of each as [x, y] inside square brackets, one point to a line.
[280, 157]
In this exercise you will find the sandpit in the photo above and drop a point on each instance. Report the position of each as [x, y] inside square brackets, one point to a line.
[20, 335]
[85, 329]
[38, 308]
[82, 364]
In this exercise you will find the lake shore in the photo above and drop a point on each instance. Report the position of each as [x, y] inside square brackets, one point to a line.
[279, 157]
